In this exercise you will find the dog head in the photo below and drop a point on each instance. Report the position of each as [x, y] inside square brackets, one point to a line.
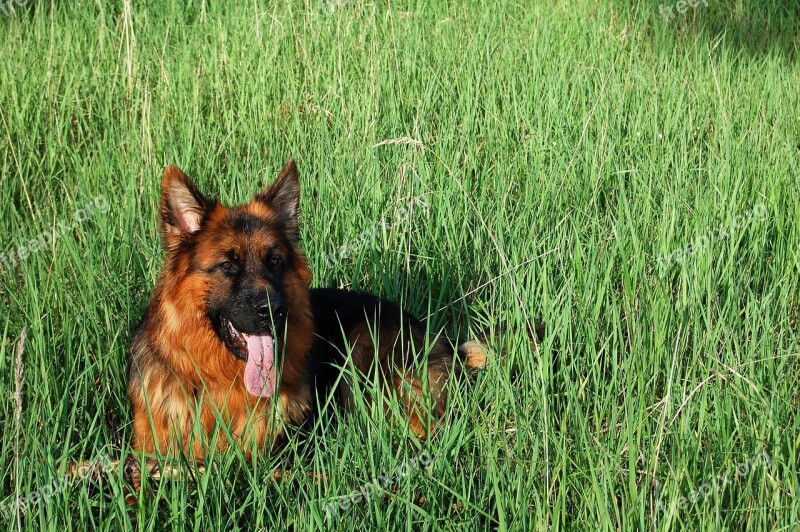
[238, 274]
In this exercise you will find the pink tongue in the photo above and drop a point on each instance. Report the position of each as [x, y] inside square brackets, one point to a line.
[260, 372]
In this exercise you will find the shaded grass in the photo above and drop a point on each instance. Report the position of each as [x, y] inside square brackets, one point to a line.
[561, 149]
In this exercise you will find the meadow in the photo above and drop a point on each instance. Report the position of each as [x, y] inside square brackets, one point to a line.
[623, 172]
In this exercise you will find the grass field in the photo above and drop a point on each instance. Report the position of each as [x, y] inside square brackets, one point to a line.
[626, 178]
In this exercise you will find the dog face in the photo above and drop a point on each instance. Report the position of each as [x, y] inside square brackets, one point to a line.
[239, 270]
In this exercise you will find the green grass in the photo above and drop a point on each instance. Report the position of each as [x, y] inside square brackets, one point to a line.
[561, 148]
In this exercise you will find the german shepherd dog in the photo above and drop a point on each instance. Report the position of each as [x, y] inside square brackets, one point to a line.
[234, 343]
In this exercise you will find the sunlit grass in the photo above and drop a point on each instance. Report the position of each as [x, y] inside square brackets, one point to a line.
[490, 166]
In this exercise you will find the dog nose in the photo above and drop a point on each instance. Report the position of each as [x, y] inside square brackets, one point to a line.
[273, 306]
[263, 309]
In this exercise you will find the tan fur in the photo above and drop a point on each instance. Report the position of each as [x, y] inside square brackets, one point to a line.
[474, 355]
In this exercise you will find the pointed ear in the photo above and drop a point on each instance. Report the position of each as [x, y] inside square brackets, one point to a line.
[283, 196]
[182, 207]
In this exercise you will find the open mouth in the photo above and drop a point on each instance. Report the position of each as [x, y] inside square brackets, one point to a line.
[258, 352]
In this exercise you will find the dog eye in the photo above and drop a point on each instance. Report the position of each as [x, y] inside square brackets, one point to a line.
[274, 262]
[227, 266]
